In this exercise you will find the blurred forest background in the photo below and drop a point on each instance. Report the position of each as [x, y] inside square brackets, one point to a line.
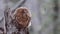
[45, 14]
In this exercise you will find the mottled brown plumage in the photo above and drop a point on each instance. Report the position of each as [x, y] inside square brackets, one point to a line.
[22, 17]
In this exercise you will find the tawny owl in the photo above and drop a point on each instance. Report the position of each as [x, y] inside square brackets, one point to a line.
[22, 17]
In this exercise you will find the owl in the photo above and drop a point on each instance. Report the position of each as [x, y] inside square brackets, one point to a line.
[22, 17]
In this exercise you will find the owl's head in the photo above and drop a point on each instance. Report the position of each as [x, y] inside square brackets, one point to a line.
[23, 16]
